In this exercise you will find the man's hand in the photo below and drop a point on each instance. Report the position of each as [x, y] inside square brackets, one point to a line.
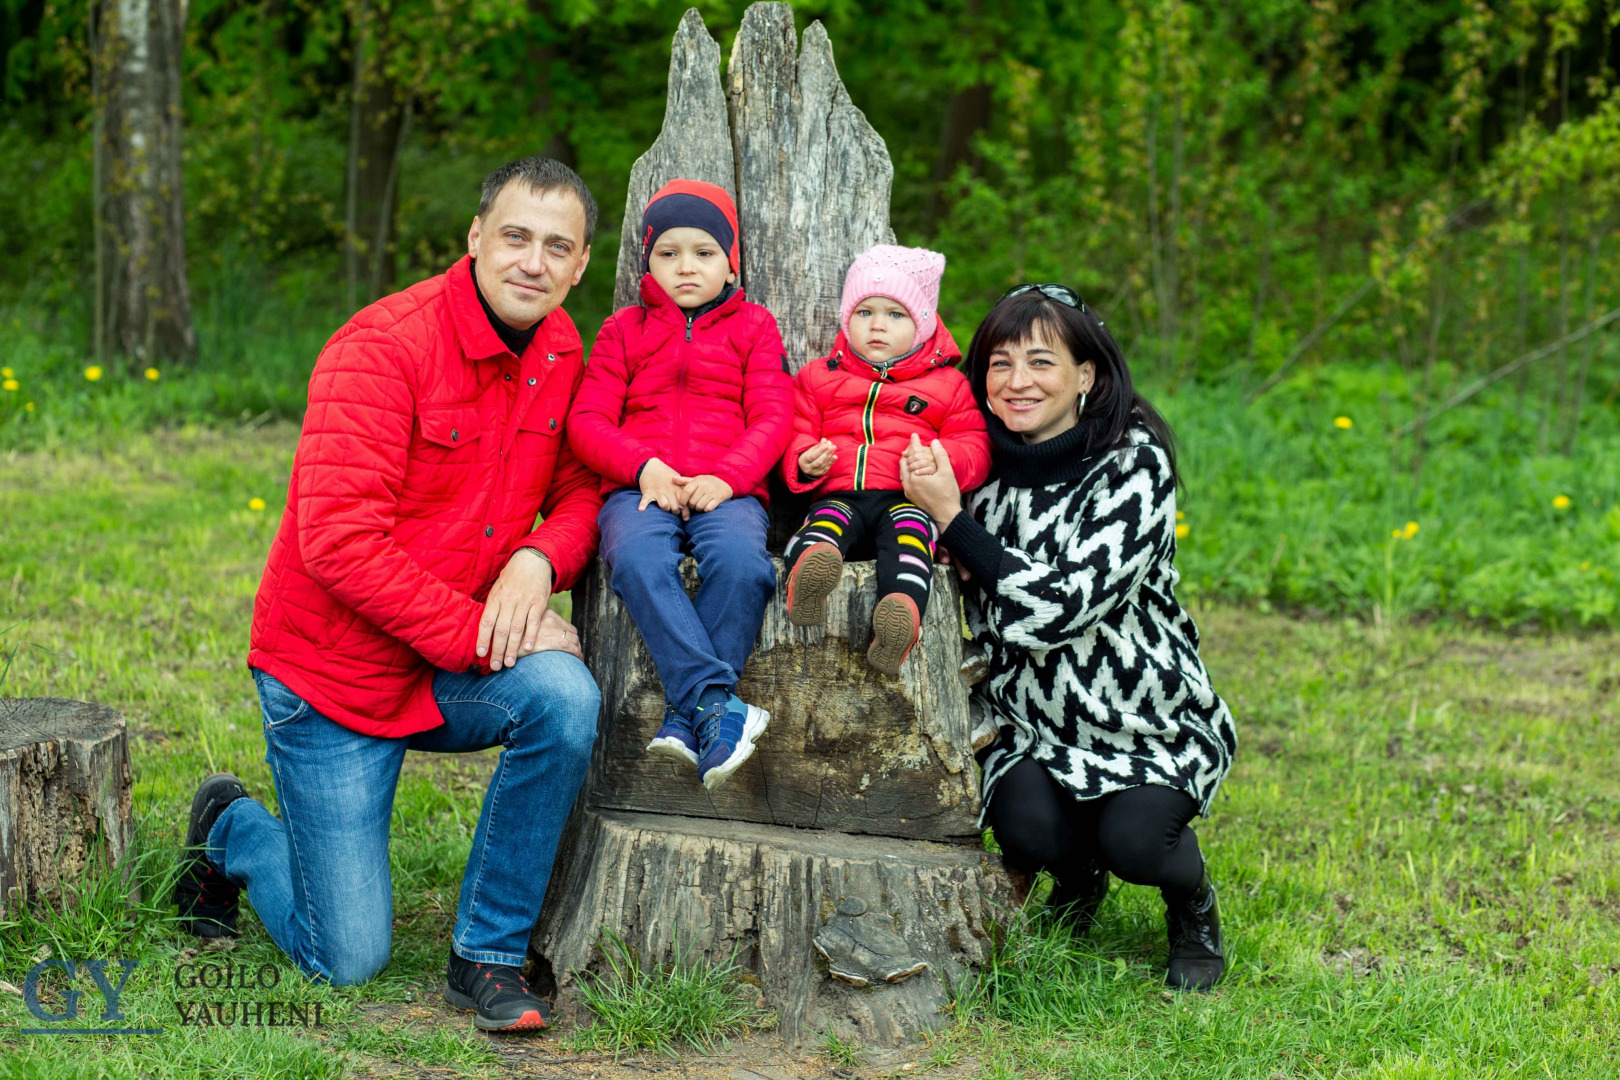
[662, 485]
[556, 634]
[516, 609]
[818, 459]
[704, 492]
[919, 459]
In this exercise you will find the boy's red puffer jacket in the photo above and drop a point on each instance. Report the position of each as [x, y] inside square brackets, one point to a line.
[427, 450]
[710, 395]
[871, 418]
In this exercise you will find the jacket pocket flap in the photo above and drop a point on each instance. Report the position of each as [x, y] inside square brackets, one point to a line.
[451, 425]
[542, 419]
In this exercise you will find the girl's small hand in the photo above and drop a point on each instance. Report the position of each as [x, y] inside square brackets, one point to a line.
[919, 458]
[818, 459]
[937, 493]
[662, 485]
[704, 493]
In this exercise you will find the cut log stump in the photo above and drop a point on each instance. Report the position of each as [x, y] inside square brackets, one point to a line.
[787, 905]
[64, 797]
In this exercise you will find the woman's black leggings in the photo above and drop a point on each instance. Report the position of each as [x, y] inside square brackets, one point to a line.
[1140, 834]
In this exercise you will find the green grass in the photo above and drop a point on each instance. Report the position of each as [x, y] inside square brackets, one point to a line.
[1418, 850]
[690, 1002]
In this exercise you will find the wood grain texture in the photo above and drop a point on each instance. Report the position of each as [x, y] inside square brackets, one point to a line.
[694, 144]
[848, 748]
[708, 890]
[814, 176]
[64, 796]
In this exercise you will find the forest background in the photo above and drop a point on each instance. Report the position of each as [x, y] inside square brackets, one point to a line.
[1362, 254]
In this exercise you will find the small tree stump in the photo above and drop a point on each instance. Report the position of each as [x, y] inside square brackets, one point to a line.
[64, 796]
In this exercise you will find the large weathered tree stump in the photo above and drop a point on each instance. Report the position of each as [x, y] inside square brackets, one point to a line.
[64, 797]
[841, 864]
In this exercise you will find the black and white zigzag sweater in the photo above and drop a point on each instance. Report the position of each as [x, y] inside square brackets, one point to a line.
[1094, 668]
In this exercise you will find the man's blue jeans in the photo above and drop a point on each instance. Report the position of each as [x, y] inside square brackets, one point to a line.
[318, 876]
[701, 643]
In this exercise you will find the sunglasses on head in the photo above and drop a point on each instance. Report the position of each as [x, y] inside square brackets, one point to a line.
[1051, 290]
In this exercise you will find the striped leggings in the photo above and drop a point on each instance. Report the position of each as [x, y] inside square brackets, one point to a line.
[864, 524]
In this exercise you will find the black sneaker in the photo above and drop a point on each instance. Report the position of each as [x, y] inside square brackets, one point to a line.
[498, 995]
[206, 898]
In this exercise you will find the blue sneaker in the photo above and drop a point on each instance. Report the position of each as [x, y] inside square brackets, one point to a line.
[675, 739]
[726, 735]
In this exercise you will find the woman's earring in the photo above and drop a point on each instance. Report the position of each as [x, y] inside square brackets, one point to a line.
[1081, 408]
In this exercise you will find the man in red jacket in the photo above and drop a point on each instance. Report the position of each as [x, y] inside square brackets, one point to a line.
[405, 606]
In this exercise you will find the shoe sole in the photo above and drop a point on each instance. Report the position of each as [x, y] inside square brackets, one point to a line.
[814, 577]
[672, 750]
[895, 629]
[531, 1020]
[198, 801]
[758, 720]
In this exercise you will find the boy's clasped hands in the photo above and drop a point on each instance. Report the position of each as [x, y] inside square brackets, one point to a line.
[677, 494]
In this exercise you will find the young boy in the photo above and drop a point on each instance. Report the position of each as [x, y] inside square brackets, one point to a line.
[684, 410]
[887, 390]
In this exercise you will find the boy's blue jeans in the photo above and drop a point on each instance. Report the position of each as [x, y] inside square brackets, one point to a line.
[318, 877]
[701, 643]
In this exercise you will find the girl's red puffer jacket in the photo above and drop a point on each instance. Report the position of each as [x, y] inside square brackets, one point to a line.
[707, 395]
[870, 418]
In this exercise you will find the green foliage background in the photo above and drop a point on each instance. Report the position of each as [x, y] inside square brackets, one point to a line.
[1215, 177]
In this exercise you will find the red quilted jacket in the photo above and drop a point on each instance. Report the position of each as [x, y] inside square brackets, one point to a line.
[427, 450]
[707, 396]
[870, 418]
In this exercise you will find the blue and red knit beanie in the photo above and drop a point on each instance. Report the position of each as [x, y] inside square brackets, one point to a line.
[690, 204]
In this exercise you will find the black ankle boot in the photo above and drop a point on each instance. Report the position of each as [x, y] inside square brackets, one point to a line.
[1194, 922]
[1076, 898]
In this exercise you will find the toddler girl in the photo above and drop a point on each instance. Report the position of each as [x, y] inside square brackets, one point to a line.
[888, 389]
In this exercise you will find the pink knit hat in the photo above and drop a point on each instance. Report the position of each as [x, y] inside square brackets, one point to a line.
[908, 276]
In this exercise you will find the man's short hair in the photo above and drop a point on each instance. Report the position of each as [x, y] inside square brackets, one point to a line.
[542, 174]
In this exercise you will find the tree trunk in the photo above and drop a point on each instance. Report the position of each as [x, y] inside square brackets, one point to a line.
[64, 798]
[143, 302]
[375, 120]
[544, 58]
[846, 851]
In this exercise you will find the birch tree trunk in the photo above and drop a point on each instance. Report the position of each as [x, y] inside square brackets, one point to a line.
[143, 301]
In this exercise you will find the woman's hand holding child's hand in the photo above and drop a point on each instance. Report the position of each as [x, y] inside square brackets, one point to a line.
[662, 485]
[704, 493]
[818, 459]
[919, 459]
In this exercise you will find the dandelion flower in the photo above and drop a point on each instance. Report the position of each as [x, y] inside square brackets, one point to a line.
[151, 374]
[1343, 423]
[1181, 515]
[93, 372]
[1586, 566]
[1182, 531]
[29, 407]
[1410, 530]
[1560, 502]
[7, 373]
[9, 384]
[1397, 534]
[255, 504]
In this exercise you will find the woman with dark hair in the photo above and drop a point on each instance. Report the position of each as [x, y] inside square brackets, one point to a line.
[1108, 738]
